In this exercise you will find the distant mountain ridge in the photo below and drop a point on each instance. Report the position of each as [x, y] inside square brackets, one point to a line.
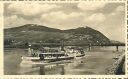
[34, 33]
[32, 27]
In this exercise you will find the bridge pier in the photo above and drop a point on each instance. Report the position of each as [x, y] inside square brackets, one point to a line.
[117, 48]
[89, 47]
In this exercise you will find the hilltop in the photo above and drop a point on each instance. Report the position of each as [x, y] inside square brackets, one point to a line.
[33, 33]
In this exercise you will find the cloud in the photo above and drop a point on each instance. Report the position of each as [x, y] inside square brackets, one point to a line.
[55, 16]
[31, 9]
[95, 18]
[15, 21]
[60, 16]
[120, 8]
[62, 20]
[53, 19]
[12, 21]
[91, 5]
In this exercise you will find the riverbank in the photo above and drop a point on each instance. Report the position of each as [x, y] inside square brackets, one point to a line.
[118, 67]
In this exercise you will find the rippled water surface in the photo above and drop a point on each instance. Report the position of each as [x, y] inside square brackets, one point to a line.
[95, 62]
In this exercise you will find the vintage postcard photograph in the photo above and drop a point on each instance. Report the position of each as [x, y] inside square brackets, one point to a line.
[84, 38]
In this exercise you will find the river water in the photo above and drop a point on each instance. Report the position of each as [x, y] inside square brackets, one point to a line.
[95, 62]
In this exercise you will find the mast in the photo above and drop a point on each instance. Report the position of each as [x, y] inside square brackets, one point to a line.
[62, 45]
[29, 50]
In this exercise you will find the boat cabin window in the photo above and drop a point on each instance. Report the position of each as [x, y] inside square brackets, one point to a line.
[41, 56]
[49, 50]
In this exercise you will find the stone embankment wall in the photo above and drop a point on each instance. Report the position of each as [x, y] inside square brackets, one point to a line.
[118, 67]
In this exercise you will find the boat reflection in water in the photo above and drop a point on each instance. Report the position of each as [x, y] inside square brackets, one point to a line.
[60, 69]
[52, 69]
[44, 70]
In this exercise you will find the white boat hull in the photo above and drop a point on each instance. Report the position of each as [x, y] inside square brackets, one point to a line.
[28, 61]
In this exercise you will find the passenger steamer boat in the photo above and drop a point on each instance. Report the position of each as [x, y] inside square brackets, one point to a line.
[46, 57]
[51, 56]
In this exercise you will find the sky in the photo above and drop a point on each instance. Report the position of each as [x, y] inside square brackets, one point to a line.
[108, 18]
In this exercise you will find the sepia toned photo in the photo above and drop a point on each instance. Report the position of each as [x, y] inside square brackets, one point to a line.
[85, 38]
